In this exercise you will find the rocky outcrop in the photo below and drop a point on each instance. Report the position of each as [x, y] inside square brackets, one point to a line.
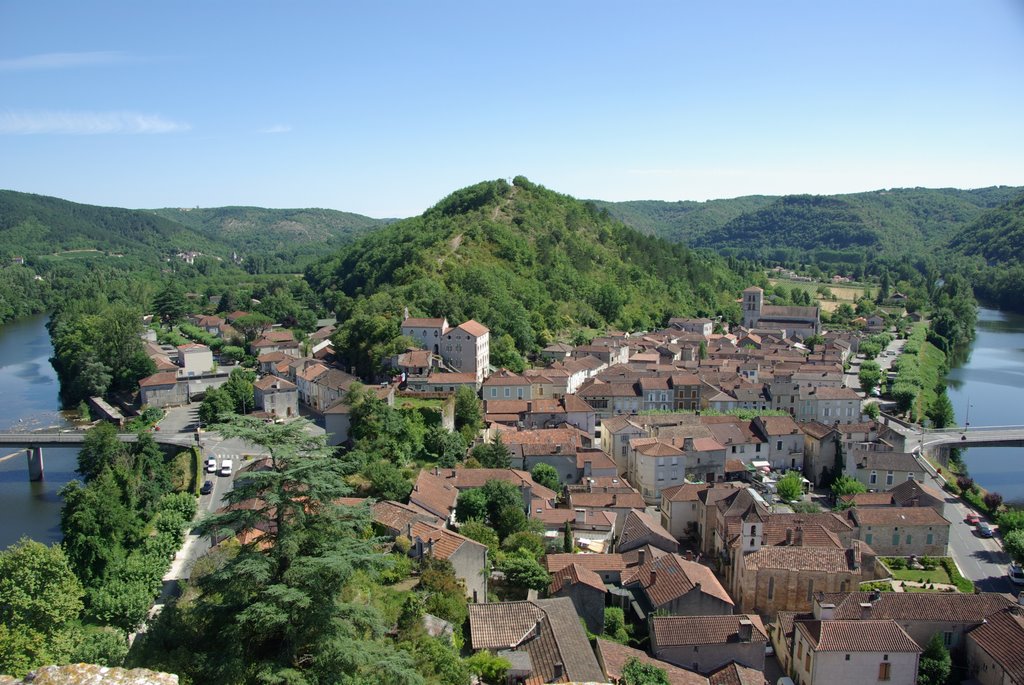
[90, 674]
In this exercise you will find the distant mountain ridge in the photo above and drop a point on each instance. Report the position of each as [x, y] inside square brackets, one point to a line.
[892, 221]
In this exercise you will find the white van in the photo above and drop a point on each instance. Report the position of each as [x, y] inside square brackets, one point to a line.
[225, 467]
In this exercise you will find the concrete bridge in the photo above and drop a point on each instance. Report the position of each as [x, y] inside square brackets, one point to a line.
[35, 442]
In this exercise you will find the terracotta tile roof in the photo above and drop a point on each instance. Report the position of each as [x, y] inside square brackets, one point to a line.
[166, 378]
[640, 528]
[543, 436]
[412, 322]
[193, 347]
[271, 357]
[594, 562]
[829, 560]
[606, 500]
[669, 631]
[311, 372]
[632, 557]
[707, 445]
[687, 492]
[869, 499]
[1002, 638]
[778, 425]
[816, 429]
[911, 489]
[735, 674]
[474, 328]
[505, 377]
[279, 336]
[900, 516]
[593, 519]
[857, 636]
[572, 574]
[273, 383]
[885, 461]
[398, 517]
[444, 542]
[657, 448]
[415, 358]
[949, 607]
[670, 577]
[549, 630]
[433, 493]
[734, 466]
[452, 378]
[614, 656]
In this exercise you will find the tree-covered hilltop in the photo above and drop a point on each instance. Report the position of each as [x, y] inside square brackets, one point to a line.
[255, 231]
[994, 246]
[525, 261]
[895, 221]
[37, 225]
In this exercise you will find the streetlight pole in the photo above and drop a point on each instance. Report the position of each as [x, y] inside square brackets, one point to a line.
[967, 421]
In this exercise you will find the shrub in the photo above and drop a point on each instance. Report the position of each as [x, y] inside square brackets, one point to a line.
[896, 563]
[964, 483]
[992, 501]
[962, 584]
[1011, 520]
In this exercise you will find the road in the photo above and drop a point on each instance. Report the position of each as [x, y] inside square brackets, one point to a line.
[885, 360]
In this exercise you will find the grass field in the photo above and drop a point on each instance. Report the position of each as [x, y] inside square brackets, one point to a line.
[844, 293]
[936, 575]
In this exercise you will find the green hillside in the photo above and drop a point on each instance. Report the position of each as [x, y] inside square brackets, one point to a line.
[255, 229]
[36, 225]
[894, 222]
[523, 260]
[997, 235]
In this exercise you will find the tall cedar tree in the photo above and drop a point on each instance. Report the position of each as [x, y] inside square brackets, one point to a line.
[278, 606]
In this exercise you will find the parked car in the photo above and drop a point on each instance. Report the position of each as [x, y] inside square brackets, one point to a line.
[972, 519]
[1016, 574]
[985, 530]
[225, 467]
[211, 465]
[207, 488]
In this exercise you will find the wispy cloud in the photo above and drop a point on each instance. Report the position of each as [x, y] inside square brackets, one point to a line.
[86, 123]
[61, 60]
[277, 128]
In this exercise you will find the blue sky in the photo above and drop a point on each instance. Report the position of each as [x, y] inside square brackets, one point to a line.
[385, 109]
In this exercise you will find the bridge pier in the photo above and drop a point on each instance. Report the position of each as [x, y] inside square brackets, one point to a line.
[35, 463]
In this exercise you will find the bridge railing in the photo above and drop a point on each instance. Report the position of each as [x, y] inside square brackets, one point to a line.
[972, 429]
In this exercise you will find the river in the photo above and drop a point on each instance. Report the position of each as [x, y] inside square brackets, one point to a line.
[987, 389]
[29, 401]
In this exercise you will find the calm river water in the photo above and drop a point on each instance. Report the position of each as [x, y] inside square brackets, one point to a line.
[988, 390]
[29, 401]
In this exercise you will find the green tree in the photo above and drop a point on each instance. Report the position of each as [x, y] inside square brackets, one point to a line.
[171, 304]
[471, 505]
[477, 530]
[940, 413]
[468, 413]
[525, 541]
[505, 355]
[493, 454]
[504, 508]
[615, 627]
[1013, 543]
[568, 542]
[522, 569]
[870, 376]
[251, 325]
[935, 666]
[387, 480]
[40, 604]
[636, 672]
[240, 388]
[218, 405]
[546, 475]
[491, 668]
[845, 485]
[814, 341]
[101, 449]
[790, 487]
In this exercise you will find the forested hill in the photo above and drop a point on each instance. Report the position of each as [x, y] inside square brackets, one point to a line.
[523, 260]
[255, 229]
[895, 222]
[998, 235]
[37, 225]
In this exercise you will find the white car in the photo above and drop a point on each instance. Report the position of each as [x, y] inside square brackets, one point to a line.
[225, 467]
[1016, 574]
[211, 465]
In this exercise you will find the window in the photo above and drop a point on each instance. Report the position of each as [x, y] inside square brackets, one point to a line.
[874, 478]
[929, 539]
[895, 539]
[624, 448]
[883, 671]
[771, 593]
[807, 661]
[910, 476]
[947, 639]
[778, 445]
[847, 657]
[909, 536]
[508, 392]
[800, 650]
[867, 539]
[888, 478]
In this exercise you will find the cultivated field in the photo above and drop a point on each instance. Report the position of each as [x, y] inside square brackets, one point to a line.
[844, 293]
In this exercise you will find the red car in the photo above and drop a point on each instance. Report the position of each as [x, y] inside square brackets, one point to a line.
[972, 519]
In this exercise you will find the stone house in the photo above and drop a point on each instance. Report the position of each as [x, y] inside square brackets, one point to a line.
[276, 396]
[587, 592]
[670, 584]
[467, 348]
[680, 509]
[616, 434]
[829, 651]
[705, 643]
[507, 385]
[909, 493]
[784, 440]
[828, 405]
[880, 470]
[994, 649]
[609, 567]
[797, 322]
[902, 531]
[543, 639]
[613, 658]
[641, 529]
[162, 390]
[467, 557]
[427, 332]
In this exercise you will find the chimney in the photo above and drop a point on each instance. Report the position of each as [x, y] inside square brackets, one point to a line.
[865, 610]
[641, 555]
[430, 547]
[823, 612]
[581, 516]
[798, 537]
[745, 631]
[789, 536]
[856, 554]
[875, 596]
[437, 471]
[654, 577]
[688, 444]
[559, 670]
[688, 556]
[453, 473]
[590, 485]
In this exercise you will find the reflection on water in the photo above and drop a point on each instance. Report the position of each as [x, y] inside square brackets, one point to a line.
[986, 388]
[29, 402]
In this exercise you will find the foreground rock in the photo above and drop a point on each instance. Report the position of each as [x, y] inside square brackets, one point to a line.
[90, 674]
